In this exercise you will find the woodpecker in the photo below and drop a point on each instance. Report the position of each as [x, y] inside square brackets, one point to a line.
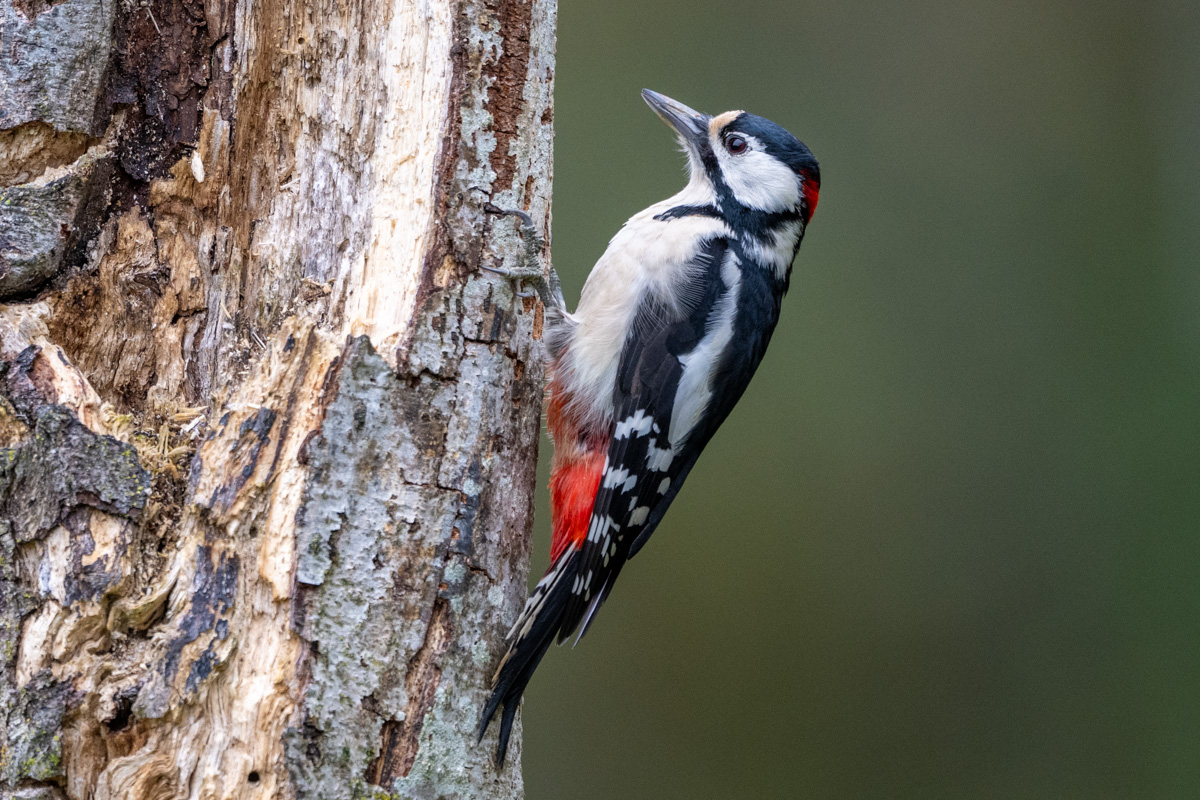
[671, 325]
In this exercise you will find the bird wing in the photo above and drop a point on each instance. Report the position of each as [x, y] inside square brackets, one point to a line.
[664, 382]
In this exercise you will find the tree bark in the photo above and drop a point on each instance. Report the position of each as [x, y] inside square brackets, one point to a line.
[267, 433]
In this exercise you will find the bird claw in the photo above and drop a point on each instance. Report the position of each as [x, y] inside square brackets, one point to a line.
[531, 270]
[534, 277]
[492, 208]
[530, 236]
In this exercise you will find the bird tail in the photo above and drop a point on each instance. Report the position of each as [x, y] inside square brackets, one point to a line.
[531, 636]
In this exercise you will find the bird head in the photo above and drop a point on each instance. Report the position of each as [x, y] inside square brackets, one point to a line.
[746, 159]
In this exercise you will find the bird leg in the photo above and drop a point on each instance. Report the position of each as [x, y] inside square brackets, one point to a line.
[531, 270]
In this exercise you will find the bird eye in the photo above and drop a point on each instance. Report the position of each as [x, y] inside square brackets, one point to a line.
[736, 144]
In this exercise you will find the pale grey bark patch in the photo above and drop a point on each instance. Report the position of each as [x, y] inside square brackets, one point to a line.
[353, 525]
[408, 536]
[46, 225]
[386, 542]
[54, 63]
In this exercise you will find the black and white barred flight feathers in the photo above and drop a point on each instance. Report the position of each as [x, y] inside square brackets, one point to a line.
[671, 325]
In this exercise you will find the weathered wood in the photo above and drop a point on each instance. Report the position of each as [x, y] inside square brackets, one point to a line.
[268, 433]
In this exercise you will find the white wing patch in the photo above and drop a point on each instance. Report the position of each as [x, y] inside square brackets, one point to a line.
[619, 477]
[638, 424]
[600, 526]
[695, 385]
[658, 459]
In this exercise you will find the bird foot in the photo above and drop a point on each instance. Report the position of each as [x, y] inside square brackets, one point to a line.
[541, 278]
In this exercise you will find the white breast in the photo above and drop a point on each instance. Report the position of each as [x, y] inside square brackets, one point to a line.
[645, 255]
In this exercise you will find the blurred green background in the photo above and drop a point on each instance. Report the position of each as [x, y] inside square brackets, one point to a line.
[946, 546]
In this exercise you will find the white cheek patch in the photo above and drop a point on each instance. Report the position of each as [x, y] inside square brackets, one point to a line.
[758, 180]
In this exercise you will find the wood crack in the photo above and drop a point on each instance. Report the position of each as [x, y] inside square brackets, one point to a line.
[400, 739]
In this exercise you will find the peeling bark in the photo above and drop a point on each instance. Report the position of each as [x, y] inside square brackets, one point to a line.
[267, 432]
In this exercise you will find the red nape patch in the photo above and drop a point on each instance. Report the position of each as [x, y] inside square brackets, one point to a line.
[573, 489]
[811, 192]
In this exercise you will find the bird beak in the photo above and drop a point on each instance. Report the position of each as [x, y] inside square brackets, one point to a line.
[688, 123]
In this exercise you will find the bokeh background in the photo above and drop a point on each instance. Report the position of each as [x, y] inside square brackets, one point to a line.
[947, 545]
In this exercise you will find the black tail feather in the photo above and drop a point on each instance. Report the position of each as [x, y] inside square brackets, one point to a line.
[506, 723]
[524, 655]
[507, 692]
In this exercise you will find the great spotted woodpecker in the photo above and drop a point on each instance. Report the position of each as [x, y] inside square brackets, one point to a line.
[671, 325]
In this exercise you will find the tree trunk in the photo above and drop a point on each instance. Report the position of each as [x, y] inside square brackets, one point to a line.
[269, 435]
